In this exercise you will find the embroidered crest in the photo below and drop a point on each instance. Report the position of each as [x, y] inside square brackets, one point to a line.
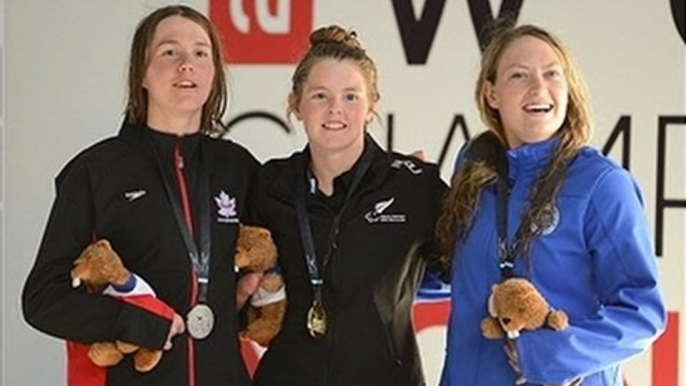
[549, 220]
[377, 214]
[226, 208]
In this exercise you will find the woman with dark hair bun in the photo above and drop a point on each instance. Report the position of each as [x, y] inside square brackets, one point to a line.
[354, 227]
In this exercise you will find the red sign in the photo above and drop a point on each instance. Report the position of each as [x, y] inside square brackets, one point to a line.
[666, 354]
[263, 31]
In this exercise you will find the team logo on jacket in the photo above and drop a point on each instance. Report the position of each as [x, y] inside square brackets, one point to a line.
[134, 195]
[378, 214]
[549, 220]
[407, 164]
[226, 208]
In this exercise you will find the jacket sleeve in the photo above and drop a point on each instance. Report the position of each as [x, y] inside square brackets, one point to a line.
[49, 302]
[631, 312]
[252, 169]
[257, 214]
[434, 285]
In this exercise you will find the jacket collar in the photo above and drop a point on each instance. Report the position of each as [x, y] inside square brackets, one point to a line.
[529, 158]
[144, 138]
[285, 184]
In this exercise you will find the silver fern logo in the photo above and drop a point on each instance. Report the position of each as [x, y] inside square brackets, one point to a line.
[378, 214]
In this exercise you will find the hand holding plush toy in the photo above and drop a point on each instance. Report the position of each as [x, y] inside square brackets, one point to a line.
[256, 252]
[99, 267]
[516, 305]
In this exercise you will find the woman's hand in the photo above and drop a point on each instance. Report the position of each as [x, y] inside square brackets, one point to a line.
[246, 286]
[421, 155]
[177, 328]
[513, 360]
[575, 382]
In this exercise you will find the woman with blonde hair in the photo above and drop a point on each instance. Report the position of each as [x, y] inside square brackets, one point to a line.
[530, 199]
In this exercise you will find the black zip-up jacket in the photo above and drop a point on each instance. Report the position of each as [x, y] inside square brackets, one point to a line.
[114, 190]
[371, 279]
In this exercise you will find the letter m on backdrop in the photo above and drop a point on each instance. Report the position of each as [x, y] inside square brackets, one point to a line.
[263, 31]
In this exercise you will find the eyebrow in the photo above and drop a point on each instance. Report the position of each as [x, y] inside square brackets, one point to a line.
[524, 66]
[324, 88]
[176, 42]
[315, 88]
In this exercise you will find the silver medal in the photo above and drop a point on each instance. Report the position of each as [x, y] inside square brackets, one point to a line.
[200, 321]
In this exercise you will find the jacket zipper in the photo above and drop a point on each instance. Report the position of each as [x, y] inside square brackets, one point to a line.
[390, 342]
[330, 340]
[185, 205]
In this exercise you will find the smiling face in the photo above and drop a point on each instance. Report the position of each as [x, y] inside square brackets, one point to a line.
[334, 107]
[530, 91]
[179, 73]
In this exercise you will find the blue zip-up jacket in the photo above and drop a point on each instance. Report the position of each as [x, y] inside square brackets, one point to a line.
[596, 262]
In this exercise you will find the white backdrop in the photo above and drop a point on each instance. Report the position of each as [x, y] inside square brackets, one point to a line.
[2, 174]
[65, 62]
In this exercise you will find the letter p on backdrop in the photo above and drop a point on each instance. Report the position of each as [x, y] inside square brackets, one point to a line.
[263, 31]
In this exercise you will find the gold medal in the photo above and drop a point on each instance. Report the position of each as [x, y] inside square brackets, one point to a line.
[316, 320]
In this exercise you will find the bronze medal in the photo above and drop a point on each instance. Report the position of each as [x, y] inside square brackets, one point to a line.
[316, 320]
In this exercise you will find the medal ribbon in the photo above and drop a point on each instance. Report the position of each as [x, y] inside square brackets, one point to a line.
[315, 271]
[199, 259]
[183, 188]
[488, 148]
[507, 252]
